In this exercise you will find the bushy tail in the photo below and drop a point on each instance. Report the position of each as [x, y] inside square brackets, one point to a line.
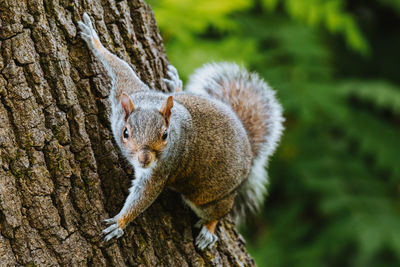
[261, 114]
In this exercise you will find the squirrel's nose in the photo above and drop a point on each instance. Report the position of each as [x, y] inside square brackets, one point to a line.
[144, 157]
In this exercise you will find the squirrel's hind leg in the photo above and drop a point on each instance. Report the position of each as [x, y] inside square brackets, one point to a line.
[209, 215]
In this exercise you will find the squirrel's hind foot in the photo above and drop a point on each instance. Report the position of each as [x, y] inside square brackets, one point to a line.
[205, 239]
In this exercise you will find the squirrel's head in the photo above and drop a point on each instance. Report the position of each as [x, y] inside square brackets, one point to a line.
[145, 133]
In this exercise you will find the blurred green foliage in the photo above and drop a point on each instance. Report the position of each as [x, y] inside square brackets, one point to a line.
[335, 179]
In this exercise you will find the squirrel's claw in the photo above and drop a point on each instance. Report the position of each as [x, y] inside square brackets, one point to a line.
[110, 221]
[205, 239]
[112, 231]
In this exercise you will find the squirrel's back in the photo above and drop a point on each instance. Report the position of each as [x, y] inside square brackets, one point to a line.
[257, 107]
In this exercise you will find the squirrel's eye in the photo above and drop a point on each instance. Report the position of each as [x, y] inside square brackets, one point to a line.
[165, 135]
[126, 133]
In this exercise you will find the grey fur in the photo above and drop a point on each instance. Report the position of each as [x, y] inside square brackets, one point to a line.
[174, 83]
[207, 156]
[209, 79]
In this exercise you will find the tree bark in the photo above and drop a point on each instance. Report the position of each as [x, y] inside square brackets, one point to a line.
[61, 173]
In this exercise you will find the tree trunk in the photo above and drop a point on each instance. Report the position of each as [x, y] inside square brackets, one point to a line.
[61, 173]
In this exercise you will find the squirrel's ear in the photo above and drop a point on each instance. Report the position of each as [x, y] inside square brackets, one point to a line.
[127, 105]
[166, 108]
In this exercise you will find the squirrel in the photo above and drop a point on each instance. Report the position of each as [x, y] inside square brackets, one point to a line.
[210, 143]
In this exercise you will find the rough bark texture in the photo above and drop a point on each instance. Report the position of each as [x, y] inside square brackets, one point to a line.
[60, 172]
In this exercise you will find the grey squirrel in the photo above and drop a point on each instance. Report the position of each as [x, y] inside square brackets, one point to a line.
[210, 143]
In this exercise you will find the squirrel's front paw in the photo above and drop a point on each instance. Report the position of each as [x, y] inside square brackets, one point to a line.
[205, 239]
[113, 230]
[173, 82]
[88, 33]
